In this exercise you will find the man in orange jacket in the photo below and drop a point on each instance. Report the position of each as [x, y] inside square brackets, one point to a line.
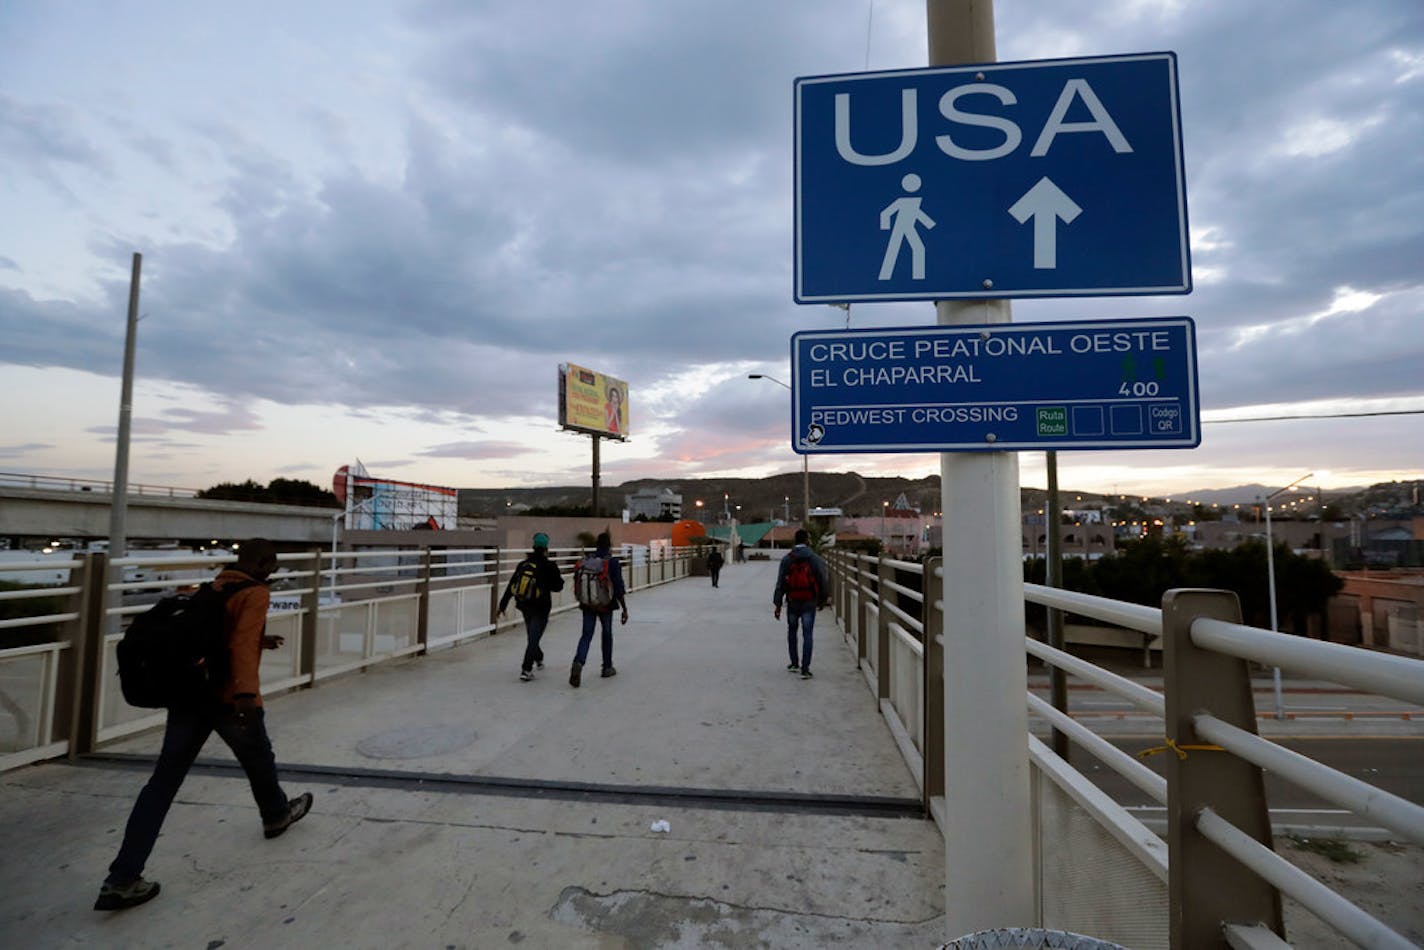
[235, 713]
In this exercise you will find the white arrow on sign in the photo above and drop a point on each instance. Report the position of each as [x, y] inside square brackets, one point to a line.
[1046, 204]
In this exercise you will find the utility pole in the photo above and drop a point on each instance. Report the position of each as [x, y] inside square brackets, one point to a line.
[119, 502]
[806, 488]
[989, 848]
[594, 509]
[1058, 679]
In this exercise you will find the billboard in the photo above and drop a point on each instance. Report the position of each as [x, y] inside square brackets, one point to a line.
[375, 504]
[592, 402]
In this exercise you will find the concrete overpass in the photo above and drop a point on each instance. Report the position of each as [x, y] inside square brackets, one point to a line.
[84, 513]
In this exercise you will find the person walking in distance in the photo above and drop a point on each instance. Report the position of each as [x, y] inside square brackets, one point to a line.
[714, 564]
[234, 712]
[802, 582]
[598, 585]
[531, 587]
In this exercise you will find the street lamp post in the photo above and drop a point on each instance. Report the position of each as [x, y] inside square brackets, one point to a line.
[805, 459]
[1271, 582]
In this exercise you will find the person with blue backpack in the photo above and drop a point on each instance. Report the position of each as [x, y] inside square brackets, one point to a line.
[532, 585]
[598, 586]
[803, 583]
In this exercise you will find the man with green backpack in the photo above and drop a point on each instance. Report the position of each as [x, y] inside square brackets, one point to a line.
[532, 586]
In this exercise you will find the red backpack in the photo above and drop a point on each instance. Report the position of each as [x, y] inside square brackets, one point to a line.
[801, 580]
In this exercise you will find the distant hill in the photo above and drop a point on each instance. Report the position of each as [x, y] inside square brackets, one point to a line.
[760, 499]
[763, 499]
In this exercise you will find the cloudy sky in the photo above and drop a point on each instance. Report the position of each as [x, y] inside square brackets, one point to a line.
[374, 229]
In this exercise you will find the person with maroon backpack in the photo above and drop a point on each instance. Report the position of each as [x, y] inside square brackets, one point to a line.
[802, 582]
[598, 587]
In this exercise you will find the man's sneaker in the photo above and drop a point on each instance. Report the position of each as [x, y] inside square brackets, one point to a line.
[608, 671]
[805, 674]
[576, 674]
[525, 675]
[297, 809]
[538, 664]
[793, 668]
[119, 896]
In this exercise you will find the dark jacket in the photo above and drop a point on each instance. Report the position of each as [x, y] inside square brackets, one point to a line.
[550, 581]
[818, 567]
[715, 559]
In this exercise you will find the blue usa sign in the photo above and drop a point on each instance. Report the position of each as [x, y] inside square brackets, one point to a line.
[1047, 178]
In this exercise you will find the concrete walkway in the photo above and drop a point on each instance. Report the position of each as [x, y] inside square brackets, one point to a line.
[458, 807]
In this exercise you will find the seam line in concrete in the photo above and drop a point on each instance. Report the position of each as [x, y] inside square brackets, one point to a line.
[865, 806]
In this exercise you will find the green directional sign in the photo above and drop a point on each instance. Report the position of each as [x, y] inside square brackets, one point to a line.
[1052, 421]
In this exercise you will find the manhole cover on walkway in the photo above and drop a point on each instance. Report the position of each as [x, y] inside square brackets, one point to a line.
[414, 742]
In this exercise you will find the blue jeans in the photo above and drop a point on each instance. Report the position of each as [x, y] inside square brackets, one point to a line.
[606, 619]
[535, 621]
[800, 613]
[183, 739]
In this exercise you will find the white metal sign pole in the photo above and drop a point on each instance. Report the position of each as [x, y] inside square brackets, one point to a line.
[988, 828]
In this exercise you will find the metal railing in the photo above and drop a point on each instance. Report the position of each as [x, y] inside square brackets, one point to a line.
[1217, 868]
[63, 483]
[59, 692]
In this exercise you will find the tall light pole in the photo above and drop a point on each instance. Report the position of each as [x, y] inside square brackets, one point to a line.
[1271, 581]
[805, 458]
[119, 500]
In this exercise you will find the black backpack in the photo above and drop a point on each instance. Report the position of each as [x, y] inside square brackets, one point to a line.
[176, 652]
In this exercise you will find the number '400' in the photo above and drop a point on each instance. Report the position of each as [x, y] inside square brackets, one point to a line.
[1138, 389]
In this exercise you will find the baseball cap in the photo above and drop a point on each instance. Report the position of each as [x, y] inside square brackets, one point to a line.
[541, 540]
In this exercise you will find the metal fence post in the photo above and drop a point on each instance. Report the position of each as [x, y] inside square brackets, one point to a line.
[88, 655]
[933, 620]
[1206, 886]
[495, 591]
[882, 630]
[422, 609]
[862, 594]
[841, 583]
[68, 672]
[311, 620]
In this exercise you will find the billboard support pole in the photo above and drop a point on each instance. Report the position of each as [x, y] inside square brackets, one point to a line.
[988, 846]
[594, 510]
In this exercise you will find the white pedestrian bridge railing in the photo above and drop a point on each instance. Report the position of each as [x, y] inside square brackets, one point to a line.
[59, 688]
[1215, 880]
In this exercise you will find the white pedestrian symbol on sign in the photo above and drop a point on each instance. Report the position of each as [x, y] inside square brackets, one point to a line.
[902, 218]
